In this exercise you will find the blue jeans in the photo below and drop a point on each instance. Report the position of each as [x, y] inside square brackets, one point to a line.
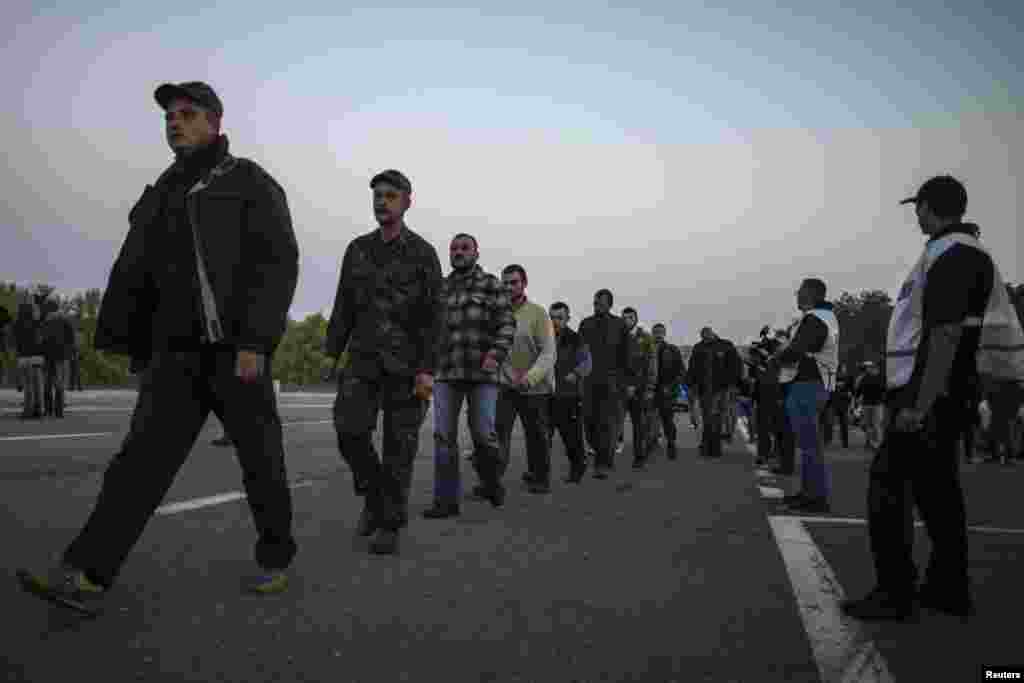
[805, 403]
[482, 402]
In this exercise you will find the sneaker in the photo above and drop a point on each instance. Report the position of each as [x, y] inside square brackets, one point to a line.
[879, 605]
[670, 451]
[620, 448]
[441, 510]
[65, 586]
[600, 473]
[385, 542]
[529, 477]
[539, 487]
[221, 441]
[268, 583]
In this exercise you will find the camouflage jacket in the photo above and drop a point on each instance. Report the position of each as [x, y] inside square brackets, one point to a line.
[386, 316]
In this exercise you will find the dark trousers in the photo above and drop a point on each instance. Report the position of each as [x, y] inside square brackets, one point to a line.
[178, 392]
[837, 411]
[75, 372]
[664, 404]
[532, 411]
[712, 406]
[920, 468]
[638, 409]
[601, 406]
[565, 419]
[387, 477]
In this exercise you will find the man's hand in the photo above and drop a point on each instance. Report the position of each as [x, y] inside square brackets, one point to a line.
[249, 366]
[571, 378]
[490, 363]
[908, 420]
[424, 386]
[649, 395]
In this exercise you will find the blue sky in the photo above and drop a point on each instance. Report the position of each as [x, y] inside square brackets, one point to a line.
[699, 161]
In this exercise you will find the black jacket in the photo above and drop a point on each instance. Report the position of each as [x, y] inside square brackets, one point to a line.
[608, 340]
[28, 338]
[671, 367]
[58, 338]
[714, 366]
[152, 301]
[574, 357]
[388, 315]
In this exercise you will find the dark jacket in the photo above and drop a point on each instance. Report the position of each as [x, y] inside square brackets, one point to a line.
[387, 314]
[574, 357]
[671, 367]
[28, 337]
[714, 366]
[5, 320]
[58, 338]
[476, 318]
[811, 336]
[153, 298]
[608, 340]
[642, 372]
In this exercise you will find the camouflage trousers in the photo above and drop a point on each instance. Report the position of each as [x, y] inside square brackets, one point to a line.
[388, 477]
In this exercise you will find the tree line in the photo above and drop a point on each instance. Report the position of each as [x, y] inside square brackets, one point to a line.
[300, 359]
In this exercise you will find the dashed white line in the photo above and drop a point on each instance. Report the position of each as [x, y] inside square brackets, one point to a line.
[853, 521]
[207, 501]
[38, 437]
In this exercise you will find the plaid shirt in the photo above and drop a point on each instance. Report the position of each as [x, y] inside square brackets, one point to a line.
[476, 317]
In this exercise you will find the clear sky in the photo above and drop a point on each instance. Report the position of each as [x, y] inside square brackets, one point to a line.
[697, 161]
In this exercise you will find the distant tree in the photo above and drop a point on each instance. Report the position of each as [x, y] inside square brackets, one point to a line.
[300, 358]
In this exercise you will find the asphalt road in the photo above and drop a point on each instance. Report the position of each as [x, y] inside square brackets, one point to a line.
[668, 574]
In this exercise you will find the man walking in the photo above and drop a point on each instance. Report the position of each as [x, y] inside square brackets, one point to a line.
[813, 355]
[607, 338]
[640, 379]
[671, 370]
[527, 383]
[952, 320]
[714, 371]
[476, 332]
[386, 314]
[572, 367]
[58, 341]
[201, 291]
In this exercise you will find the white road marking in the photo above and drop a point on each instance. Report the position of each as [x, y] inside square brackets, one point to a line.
[852, 521]
[769, 492]
[72, 409]
[220, 498]
[39, 437]
[842, 650]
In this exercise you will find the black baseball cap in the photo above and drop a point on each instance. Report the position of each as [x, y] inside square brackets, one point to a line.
[196, 91]
[393, 177]
[946, 196]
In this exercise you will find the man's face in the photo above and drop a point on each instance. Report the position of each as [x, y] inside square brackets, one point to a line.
[463, 253]
[189, 126]
[659, 333]
[707, 335]
[601, 305]
[559, 318]
[515, 283]
[630, 319]
[804, 299]
[389, 203]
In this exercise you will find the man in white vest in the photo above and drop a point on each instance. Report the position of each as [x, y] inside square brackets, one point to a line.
[936, 345]
[811, 359]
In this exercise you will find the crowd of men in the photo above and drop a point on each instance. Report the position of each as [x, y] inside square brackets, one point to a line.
[46, 347]
[199, 297]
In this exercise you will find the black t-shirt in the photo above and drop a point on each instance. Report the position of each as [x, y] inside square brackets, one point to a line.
[871, 390]
[959, 285]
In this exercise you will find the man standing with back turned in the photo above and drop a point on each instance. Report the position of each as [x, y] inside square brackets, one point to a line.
[200, 293]
[952, 320]
[386, 314]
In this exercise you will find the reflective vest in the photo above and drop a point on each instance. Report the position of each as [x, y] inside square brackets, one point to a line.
[1001, 348]
[827, 358]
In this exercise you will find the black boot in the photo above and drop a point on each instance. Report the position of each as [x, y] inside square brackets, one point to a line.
[440, 510]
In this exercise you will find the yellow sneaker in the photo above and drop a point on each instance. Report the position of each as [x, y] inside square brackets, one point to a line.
[275, 581]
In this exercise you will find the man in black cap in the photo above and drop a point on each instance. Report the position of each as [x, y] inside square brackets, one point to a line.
[386, 315]
[932, 355]
[200, 294]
